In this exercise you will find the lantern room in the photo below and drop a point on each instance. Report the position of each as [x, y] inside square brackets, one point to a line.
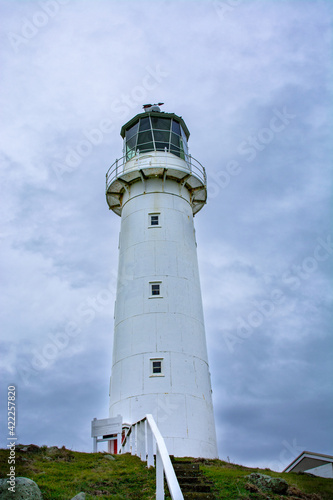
[155, 131]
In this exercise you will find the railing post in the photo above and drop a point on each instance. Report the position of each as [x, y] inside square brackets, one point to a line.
[133, 441]
[133, 434]
[118, 442]
[117, 167]
[150, 447]
[138, 439]
[128, 445]
[141, 452]
[159, 476]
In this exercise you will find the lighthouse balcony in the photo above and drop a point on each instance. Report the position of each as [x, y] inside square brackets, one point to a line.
[187, 172]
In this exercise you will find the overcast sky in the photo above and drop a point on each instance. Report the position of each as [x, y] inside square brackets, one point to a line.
[252, 80]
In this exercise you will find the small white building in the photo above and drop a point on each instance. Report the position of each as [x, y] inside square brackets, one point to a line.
[313, 463]
[160, 363]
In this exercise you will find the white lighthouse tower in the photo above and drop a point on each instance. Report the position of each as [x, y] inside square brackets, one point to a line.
[160, 363]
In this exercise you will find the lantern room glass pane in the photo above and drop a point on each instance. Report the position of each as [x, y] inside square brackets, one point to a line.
[131, 143]
[132, 131]
[144, 124]
[129, 153]
[147, 146]
[145, 142]
[175, 127]
[160, 146]
[160, 123]
[161, 136]
[182, 152]
[144, 137]
[175, 151]
[175, 140]
[175, 144]
[183, 145]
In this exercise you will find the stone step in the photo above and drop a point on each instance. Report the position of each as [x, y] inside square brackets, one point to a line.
[185, 467]
[188, 473]
[180, 460]
[192, 482]
[188, 479]
[195, 488]
[199, 496]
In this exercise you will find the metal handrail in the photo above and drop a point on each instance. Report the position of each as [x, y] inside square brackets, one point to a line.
[118, 167]
[141, 439]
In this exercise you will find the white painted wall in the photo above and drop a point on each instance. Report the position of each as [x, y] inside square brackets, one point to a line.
[322, 470]
[169, 327]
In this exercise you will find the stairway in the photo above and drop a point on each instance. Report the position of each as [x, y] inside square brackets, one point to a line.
[194, 485]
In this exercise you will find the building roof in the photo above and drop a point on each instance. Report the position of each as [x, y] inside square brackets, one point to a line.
[308, 460]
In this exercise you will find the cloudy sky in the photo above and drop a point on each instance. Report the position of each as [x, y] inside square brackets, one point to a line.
[252, 80]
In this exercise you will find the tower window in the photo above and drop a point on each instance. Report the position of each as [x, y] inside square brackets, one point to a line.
[156, 367]
[155, 289]
[154, 220]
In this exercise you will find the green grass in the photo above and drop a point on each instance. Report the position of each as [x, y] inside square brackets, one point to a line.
[61, 474]
[229, 482]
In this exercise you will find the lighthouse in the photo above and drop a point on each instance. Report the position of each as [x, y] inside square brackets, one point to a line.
[159, 363]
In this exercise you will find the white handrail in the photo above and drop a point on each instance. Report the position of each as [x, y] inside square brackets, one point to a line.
[141, 440]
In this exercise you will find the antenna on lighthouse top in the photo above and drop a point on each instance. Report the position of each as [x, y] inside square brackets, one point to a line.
[152, 107]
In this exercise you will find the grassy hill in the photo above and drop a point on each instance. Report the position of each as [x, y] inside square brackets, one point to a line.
[61, 474]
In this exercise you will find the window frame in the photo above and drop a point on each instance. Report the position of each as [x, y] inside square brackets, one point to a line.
[159, 374]
[155, 296]
[154, 214]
